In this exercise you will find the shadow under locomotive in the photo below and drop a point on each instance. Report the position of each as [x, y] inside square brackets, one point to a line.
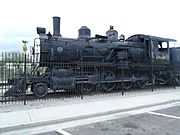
[103, 62]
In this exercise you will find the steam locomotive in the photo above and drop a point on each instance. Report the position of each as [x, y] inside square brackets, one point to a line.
[101, 62]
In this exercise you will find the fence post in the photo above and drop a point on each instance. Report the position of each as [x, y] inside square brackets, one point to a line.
[174, 81]
[24, 82]
[152, 70]
[82, 86]
[122, 81]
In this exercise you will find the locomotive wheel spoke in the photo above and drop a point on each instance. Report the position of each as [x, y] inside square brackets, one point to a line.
[84, 88]
[107, 87]
[137, 84]
[143, 84]
[140, 84]
[127, 85]
[119, 86]
[107, 76]
[87, 88]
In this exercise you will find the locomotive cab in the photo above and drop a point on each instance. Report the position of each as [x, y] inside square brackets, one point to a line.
[156, 48]
[160, 51]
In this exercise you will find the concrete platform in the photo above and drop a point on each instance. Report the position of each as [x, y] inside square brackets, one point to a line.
[49, 115]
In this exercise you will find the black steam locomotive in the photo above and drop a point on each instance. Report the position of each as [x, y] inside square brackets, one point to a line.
[101, 62]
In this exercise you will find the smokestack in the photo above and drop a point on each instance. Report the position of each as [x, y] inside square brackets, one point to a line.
[56, 26]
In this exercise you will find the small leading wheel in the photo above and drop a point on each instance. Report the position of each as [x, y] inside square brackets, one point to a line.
[40, 90]
[107, 77]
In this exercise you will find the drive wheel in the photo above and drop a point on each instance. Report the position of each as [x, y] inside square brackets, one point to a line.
[40, 90]
[108, 76]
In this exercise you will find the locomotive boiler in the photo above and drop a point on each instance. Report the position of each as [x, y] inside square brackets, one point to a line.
[101, 62]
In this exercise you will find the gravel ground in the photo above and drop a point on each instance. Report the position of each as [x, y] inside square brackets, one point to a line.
[35, 104]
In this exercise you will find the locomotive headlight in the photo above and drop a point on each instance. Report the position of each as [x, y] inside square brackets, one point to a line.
[59, 49]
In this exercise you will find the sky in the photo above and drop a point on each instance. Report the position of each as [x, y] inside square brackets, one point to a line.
[19, 18]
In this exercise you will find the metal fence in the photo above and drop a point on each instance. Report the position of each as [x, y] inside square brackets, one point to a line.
[19, 69]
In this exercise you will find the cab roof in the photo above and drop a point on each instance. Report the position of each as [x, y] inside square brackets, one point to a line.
[152, 37]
